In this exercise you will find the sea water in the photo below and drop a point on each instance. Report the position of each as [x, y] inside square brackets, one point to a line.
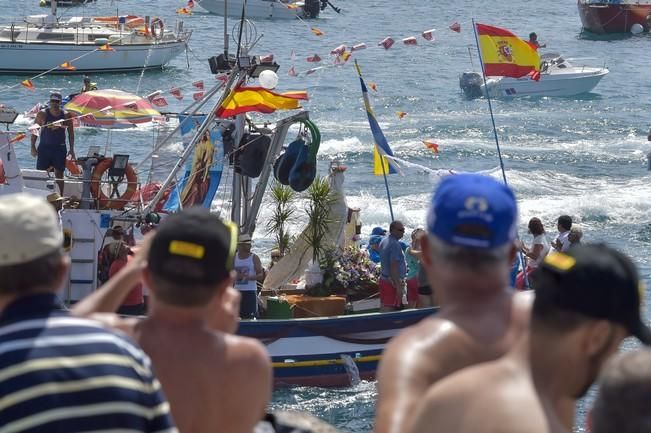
[584, 156]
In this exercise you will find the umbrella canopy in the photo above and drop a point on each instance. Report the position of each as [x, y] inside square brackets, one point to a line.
[111, 109]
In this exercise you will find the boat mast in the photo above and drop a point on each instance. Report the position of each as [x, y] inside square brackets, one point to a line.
[53, 7]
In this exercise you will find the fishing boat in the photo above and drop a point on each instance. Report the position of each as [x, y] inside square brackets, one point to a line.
[55, 44]
[272, 9]
[64, 3]
[615, 16]
[558, 77]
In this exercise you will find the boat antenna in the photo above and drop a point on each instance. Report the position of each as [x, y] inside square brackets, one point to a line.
[239, 37]
[497, 141]
[470, 55]
[226, 30]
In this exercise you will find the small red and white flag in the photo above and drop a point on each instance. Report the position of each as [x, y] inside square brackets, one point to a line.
[33, 111]
[36, 130]
[410, 41]
[401, 114]
[159, 101]
[18, 137]
[372, 86]
[67, 66]
[314, 59]
[386, 43]
[338, 51]
[133, 105]
[431, 146]
[292, 72]
[28, 84]
[198, 84]
[197, 96]
[222, 77]
[176, 92]
[316, 31]
[358, 47]
[455, 27]
[152, 95]
[269, 58]
[429, 34]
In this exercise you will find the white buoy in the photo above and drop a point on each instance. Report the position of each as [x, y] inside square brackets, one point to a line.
[268, 79]
[636, 29]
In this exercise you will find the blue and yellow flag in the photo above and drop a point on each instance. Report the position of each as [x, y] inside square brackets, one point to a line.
[381, 145]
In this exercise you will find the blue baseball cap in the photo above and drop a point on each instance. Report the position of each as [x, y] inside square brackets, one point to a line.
[375, 239]
[378, 231]
[473, 210]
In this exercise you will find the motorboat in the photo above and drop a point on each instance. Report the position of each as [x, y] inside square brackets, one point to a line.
[615, 16]
[88, 44]
[65, 3]
[274, 9]
[558, 77]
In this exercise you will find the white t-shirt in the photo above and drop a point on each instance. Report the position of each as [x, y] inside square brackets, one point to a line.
[565, 242]
[539, 240]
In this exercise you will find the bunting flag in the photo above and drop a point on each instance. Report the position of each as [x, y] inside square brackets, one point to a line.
[106, 47]
[198, 84]
[314, 59]
[35, 129]
[197, 96]
[505, 54]
[153, 94]
[159, 101]
[269, 58]
[222, 77]
[68, 66]
[292, 56]
[28, 84]
[33, 111]
[372, 86]
[316, 31]
[344, 57]
[246, 99]
[386, 43]
[190, 4]
[428, 34]
[358, 47]
[381, 165]
[455, 27]
[18, 137]
[400, 114]
[431, 146]
[184, 11]
[410, 41]
[176, 93]
[292, 72]
[338, 51]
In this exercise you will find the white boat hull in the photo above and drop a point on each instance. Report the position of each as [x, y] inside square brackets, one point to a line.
[255, 9]
[548, 85]
[16, 57]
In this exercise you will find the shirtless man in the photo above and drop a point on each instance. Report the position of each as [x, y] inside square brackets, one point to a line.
[214, 381]
[587, 301]
[467, 255]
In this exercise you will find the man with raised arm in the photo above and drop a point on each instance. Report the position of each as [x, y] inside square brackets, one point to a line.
[467, 255]
[214, 381]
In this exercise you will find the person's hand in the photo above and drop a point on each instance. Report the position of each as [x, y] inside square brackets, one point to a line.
[34, 151]
[71, 154]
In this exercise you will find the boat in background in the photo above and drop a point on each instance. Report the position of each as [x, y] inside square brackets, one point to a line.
[615, 16]
[64, 3]
[558, 77]
[88, 44]
[274, 9]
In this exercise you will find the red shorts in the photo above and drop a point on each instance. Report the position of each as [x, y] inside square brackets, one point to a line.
[390, 297]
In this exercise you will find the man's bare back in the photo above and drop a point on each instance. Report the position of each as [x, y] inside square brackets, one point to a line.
[441, 345]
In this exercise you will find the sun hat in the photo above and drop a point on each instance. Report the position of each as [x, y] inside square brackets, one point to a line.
[56, 96]
[594, 280]
[473, 210]
[193, 246]
[244, 238]
[30, 229]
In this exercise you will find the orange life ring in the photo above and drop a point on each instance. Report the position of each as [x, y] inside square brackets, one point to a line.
[157, 28]
[73, 167]
[105, 202]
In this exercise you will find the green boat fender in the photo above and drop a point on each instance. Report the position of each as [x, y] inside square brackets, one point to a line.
[303, 172]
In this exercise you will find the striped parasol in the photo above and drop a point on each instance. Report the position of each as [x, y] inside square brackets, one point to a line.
[111, 109]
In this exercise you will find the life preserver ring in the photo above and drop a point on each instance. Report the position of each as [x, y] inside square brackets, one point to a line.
[104, 202]
[72, 167]
[157, 28]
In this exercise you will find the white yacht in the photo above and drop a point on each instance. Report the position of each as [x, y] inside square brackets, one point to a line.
[88, 44]
[274, 9]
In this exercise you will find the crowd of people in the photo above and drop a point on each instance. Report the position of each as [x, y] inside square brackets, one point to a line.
[491, 359]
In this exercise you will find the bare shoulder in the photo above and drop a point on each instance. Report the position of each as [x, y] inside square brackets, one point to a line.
[244, 350]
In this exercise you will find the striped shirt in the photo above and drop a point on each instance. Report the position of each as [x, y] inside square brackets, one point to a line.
[60, 373]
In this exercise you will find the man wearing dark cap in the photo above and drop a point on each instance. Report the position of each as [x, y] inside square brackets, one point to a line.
[467, 256]
[214, 381]
[51, 151]
[60, 373]
[586, 302]
[88, 85]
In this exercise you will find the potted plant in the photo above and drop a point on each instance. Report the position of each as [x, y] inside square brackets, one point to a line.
[320, 199]
[283, 199]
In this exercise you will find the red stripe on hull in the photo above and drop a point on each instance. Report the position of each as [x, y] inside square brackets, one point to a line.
[613, 18]
[506, 70]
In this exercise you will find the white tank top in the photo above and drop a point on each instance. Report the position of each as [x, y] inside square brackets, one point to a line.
[245, 267]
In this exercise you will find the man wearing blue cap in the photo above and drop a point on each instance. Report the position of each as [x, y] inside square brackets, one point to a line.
[467, 255]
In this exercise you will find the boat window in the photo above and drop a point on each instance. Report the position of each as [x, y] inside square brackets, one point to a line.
[55, 37]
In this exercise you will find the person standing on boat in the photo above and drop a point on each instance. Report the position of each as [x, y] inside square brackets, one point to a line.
[393, 287]
[575, 235]
[51, 151]
[587, 301]
[562, 243]
[533, 42]
[88, 85]
[215, 381]
[467, 254]
[534, 254]
[249, 270]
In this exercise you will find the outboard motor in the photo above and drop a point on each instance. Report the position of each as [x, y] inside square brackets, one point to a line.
[312, 8]
[470, 83]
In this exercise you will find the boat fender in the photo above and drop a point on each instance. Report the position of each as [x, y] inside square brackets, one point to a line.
[252, 156]
[67, 240]
[157, 28]
[303, 172]
[286, 161]
[105, 202]
[73, 168]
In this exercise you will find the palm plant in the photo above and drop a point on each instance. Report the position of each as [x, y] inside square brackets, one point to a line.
[320, 199]
[283, 198]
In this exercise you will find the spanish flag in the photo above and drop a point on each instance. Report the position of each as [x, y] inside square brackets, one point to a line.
[28, 84]
[68, 66]
[505, 54]
[246, 99]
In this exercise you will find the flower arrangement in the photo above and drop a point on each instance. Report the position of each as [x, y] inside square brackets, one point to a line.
[348, 271]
